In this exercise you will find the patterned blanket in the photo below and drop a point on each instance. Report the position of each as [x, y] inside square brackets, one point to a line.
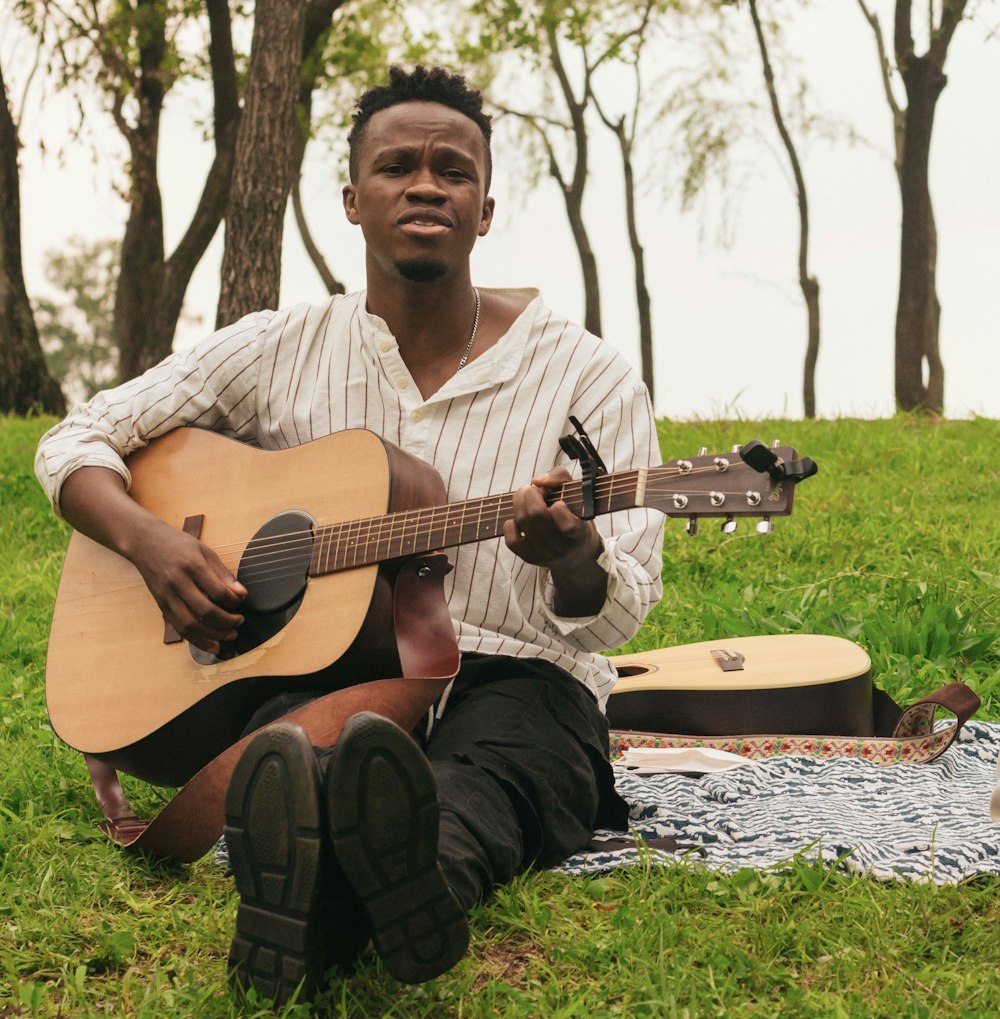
[919, 822]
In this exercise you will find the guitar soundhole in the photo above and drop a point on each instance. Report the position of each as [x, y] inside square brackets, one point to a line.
[275, 570]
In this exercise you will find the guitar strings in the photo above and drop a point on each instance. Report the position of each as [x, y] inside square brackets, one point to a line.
[338, 539]
[328, 555]
[406, 524]
[254, 560]
[372, 539]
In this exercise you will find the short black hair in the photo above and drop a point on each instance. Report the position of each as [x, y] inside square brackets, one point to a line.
[426, 85]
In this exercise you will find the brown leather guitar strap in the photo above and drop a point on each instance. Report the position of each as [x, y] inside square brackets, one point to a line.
[918, 719]
[191, 823]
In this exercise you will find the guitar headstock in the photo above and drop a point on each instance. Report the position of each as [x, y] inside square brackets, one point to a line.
[748, 481]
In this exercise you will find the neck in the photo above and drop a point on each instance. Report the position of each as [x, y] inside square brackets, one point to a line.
[433, 324]
[431, 321]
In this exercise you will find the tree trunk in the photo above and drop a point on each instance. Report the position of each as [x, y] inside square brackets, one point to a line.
[25, 382]
[588, 262]
[810, 292]
[573, 189]
[917, 308]
[642, 299]
[932, 328]
[151, 288]
[807, 284]
[918, 311]
[266, 146]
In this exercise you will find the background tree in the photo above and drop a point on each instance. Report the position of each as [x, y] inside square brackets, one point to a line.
[625, 127]
[130, 52]
[353, 53]
[717, 121]
[565, 45]
[77, 327]
[808, 283]
[266, 146]
[918, 311]
[535, 33]
[287, 66]
[25, 383]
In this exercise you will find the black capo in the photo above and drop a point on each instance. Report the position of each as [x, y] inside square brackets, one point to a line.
[579, 447]
[756, 455]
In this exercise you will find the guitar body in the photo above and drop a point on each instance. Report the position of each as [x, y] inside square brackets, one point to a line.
[806, 684]
[117, 691]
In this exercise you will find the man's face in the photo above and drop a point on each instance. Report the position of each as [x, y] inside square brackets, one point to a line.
[420, 191]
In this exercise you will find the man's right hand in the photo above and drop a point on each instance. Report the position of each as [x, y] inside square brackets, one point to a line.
[194, 589]
[196, 592]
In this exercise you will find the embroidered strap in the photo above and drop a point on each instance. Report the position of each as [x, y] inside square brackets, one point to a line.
[914, 740]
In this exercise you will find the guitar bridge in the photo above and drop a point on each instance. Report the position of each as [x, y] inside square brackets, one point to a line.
[729, 660]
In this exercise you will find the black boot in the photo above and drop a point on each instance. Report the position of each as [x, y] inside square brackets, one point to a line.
[382, 806]
[297, 915]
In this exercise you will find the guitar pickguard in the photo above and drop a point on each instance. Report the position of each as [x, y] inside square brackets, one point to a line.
[274, 568]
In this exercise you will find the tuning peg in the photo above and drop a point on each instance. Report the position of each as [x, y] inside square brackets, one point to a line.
[765, 526]
[776, 444]
[703, 451]
[728, 526]
[692, 527]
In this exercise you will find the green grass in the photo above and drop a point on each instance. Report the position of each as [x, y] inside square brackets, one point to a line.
[896, 544]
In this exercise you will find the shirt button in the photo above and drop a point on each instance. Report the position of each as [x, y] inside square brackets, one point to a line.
[385, 346]
[418, 415]
[401, 382]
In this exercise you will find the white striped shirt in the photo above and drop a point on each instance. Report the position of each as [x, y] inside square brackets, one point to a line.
[277, 379]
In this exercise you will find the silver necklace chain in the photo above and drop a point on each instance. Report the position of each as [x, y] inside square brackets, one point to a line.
[475, 326]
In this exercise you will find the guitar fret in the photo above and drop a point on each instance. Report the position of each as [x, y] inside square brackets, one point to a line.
[368, 541]
[326, 546]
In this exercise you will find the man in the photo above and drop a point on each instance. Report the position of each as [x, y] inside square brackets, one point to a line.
[381, 838]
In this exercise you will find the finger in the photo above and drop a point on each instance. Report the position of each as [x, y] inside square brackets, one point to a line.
[554, 478]
[513, 535]
[198, 618]
[204, 634]
[233, 591]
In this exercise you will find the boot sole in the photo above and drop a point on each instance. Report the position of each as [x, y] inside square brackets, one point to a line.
[274, 832]
[383, 812]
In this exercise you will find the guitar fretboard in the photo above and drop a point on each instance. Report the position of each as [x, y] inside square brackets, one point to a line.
[353, 543]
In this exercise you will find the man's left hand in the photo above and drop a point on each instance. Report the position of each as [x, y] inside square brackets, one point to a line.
[554, 537]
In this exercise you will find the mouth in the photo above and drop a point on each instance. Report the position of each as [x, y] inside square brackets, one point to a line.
[424, 222]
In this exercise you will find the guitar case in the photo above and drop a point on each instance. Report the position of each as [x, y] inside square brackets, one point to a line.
[806, 694]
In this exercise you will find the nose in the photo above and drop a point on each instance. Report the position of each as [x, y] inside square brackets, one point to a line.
[424, 187]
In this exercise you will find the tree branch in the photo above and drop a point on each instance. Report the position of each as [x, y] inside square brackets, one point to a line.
[951, 15]
[332, 284]
[897, 113]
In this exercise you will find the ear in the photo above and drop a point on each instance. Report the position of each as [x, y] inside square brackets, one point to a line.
[486, 220]
[350, 196]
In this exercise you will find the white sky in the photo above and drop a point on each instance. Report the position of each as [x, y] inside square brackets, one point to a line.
[729, 325]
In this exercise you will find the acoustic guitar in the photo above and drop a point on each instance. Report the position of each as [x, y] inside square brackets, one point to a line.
[791, 683]
[319, 534]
